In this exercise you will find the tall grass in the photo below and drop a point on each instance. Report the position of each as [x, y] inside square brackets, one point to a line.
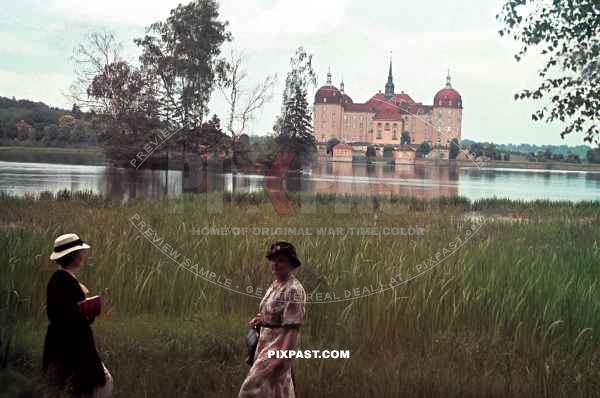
[514, 312]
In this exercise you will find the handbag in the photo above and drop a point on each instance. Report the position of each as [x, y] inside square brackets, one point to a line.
[251, 344]
[252, 340]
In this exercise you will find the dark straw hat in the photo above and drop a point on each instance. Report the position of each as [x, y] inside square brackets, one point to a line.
[284, 248]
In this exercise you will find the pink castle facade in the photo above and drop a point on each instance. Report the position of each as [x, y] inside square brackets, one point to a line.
[385, 116]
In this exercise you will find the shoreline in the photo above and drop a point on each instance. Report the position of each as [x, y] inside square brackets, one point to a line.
[95, 153]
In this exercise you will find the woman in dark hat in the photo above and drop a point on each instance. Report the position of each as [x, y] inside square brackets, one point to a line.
[71, 362]
[281, 313]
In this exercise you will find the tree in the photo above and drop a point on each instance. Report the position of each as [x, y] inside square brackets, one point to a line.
[568, 34]
[540, 156]
[296, 128]
[332, 142]
[181, 57]
[293, 128]
[130, 114]
[76, 111]
[593, 155]
[301, 74]
[371, 153]
[388, 151]
[210, 137]
[558, 157]
[476, 149]
[119, 97]
[423, 149]
[243, 102]
[454, 149]
[405, 138]
[489, 150]
[573, 158]
[91, 58]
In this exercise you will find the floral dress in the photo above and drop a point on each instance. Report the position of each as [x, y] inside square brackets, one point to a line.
[282, 305]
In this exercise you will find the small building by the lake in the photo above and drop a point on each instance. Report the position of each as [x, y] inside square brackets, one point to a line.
[404, 155]
[342, 152]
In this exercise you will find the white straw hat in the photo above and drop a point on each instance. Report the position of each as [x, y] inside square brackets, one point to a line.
[66, 244]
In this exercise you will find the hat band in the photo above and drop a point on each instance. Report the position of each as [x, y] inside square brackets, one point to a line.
[68, 245]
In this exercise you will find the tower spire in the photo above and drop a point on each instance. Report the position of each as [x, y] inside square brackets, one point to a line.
[389, 87]
[329, 75]
[448, 84]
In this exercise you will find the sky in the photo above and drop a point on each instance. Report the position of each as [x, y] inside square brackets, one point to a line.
[354, 38]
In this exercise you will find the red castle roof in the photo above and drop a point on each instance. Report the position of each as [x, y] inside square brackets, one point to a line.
[388, 108]
[328, 94]
[448, 97]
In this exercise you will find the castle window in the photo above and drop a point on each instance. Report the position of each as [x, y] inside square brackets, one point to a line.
[387, 126]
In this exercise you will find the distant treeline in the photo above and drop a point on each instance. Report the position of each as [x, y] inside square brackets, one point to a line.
[24, 122]
[554, 151]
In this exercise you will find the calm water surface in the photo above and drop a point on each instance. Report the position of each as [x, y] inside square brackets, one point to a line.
[21, 178]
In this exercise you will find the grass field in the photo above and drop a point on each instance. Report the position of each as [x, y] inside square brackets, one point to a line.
[514, 312]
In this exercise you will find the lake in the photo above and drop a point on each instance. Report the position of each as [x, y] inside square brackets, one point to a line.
[422, 181]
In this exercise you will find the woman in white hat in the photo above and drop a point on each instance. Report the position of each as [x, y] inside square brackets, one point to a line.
[71, 361]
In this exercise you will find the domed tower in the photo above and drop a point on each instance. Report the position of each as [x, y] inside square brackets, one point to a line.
[328, 109]
[447, 114]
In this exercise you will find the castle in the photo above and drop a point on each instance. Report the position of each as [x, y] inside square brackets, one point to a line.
[384, 117]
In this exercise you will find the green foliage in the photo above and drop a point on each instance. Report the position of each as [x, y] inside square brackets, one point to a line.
[454, 149]
[300, 75]
[293, 128]
[423, 149]
[23, 122]
[496, 319]
[580, 150]
[405, 138]
[593, 155]
[296, 127]
[566, 32]
[180, 61]
[388, 151]
[333, 141]
[371, 153]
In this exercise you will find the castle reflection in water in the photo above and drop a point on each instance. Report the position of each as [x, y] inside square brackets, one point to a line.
[346, 179]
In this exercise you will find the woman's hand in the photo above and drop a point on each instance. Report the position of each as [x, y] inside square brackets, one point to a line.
[256, 321]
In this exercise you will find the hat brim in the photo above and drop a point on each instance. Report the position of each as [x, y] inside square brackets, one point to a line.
[293, 259]
[57, 255]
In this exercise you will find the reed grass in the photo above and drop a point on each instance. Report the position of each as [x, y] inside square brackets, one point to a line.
[514, 312]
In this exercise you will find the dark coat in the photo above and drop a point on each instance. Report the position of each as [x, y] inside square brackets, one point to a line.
[70, 356]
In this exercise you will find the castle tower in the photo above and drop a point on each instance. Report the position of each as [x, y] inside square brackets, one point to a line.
[447, 114]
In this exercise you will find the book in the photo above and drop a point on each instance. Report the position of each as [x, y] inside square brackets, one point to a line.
[91, 306]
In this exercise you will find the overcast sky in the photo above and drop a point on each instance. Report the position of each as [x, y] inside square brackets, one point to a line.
[354, 37]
